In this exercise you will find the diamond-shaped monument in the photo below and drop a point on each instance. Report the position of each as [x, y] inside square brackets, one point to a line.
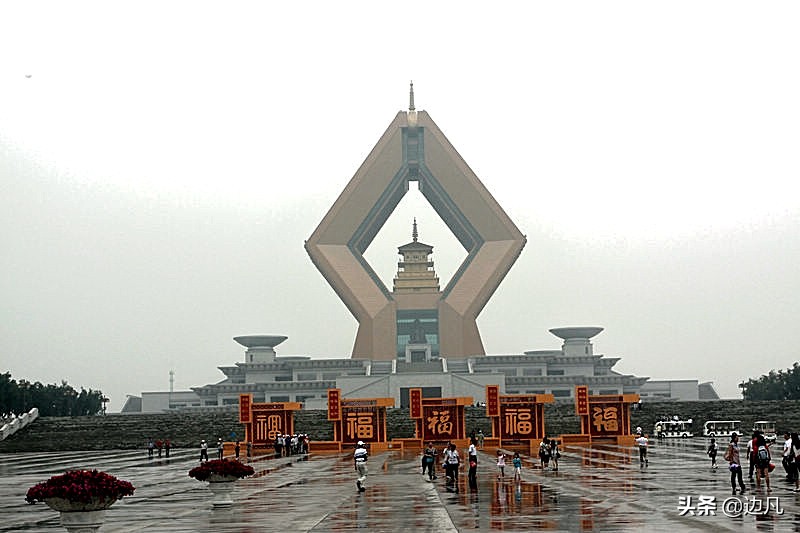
[423, 323]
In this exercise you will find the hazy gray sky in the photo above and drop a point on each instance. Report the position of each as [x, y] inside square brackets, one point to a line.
[161, 164]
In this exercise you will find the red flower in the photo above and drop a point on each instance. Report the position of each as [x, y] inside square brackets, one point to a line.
[221, 468]
[82, 486]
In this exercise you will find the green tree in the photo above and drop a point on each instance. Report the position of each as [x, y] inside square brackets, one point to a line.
[51, 400]
[777, 385]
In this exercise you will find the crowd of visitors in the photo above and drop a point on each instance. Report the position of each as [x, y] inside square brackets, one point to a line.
[760, 460]
[286, 445]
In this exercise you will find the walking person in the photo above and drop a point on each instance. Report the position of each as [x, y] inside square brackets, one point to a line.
[751, 459]
[167, 446]
[480, 437]
[501, 464]
[360, 460]
[734, 463]
[555, 453]
[544, 453]
[795, 452]
[472, 451]
[787, 458]
[236, 449]
[150, 447]
[472, 457]
[203, 451]
[763, 460]
[712, 452]
[641, 442]
[429, 461]
[453, 460]
[517, 462]
[220, 448]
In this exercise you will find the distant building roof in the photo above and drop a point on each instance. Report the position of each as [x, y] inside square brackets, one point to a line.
[132, 405]
[706, 391]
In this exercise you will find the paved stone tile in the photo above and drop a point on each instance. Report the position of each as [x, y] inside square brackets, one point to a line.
[597, 489]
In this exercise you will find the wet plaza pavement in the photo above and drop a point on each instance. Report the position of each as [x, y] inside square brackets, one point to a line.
[595, 489]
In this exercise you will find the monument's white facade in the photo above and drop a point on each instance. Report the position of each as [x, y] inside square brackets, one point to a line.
[273, 378]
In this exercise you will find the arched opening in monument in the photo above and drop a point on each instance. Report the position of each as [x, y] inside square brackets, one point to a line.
[382, 253]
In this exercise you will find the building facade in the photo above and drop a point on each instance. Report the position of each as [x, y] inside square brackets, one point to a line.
[273, 378]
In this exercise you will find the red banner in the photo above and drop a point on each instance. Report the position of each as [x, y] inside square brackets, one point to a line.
[442, 423]
[415, 399]
[518, 422]
[492, 400]
[269, 423]
[334, 405]
[605, 419]
[361, 424]
[582, 400]
[245, 401]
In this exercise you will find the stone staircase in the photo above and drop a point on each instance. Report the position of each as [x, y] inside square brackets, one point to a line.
[186, 428]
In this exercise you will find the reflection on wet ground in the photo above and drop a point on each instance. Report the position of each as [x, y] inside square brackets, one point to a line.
[603, 488]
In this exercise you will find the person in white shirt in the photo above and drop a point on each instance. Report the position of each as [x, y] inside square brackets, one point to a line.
[712, 452]
[501, 464]
[786, 460]
[360, 460]
[452, 459]
[472, 456]
[641, 442]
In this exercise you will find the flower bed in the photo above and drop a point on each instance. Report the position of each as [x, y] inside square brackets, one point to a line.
[221, 470]
[80, 490]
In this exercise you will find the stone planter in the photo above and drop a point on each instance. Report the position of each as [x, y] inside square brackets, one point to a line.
[81, 517]
[65, 505]
[83, 521]
[222, 487]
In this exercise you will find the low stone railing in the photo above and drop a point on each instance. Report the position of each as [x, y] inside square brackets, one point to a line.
[18, 423]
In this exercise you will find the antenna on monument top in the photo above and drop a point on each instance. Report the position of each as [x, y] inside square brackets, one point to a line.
[412, 112]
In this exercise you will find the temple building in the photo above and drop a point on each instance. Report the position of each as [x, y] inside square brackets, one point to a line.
[418, 334]
[273, 378]
[417, 331]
